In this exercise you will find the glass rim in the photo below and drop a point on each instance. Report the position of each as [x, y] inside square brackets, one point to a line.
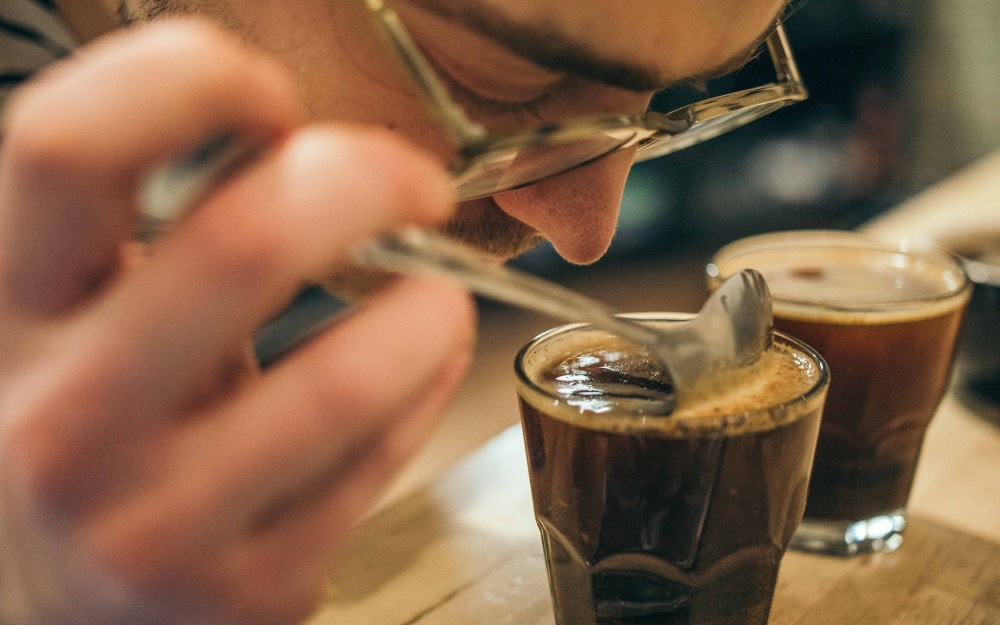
[709, 425]
[832, 240]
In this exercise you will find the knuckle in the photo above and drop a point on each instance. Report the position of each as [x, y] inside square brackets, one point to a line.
[41, 462]
[244, 254]
[37, 143]
[140, 555]
[273, 592]
[349, 398]
[115, 557]
[414, 173]
[52, 439]
[388, 174]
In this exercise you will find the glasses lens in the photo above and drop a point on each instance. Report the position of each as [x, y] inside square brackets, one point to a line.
[502, 168]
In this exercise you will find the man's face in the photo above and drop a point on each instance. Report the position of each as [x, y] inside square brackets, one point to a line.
[512, 65]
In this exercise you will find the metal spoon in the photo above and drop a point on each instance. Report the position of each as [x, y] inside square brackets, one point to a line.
[731, 330]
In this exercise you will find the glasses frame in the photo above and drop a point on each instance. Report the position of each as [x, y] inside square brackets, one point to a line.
[655, 134]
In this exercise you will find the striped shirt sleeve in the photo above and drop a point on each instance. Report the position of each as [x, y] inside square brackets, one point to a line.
[31, 37]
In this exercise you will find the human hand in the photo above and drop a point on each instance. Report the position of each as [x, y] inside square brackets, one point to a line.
[148, 473]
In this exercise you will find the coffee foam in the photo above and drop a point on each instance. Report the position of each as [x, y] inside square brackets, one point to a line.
[749, 399]
[852, 286]
[780, 375]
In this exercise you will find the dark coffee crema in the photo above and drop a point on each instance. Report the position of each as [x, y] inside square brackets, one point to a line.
[886, 322]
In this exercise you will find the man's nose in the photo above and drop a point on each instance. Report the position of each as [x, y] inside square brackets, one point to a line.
[577, 211]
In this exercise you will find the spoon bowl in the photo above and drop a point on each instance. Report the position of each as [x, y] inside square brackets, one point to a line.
[731, 330]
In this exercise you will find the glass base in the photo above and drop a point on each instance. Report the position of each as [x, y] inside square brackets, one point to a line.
[881, 533]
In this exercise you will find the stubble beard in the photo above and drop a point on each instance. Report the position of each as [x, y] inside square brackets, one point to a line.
[479, 224]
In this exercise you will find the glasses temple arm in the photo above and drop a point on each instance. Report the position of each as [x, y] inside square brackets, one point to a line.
[457, 124]
[781, 55]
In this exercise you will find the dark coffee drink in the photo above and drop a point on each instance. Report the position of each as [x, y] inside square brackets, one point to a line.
[888, 379]
[887, 323]
[660, 518]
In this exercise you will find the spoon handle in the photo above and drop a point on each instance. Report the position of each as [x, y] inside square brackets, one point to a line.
[413, 250]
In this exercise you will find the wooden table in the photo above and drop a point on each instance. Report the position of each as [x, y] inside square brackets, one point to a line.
[464, 550]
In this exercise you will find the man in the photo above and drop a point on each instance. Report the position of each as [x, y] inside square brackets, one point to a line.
[149, 473]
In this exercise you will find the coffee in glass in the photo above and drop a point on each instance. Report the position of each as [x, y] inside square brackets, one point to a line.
[886, 321]
[651, 514]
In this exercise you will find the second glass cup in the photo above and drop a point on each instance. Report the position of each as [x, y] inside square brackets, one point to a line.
[886, 321]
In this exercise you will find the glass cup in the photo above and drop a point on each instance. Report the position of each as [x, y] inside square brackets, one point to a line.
[886, 321]
[649, 515]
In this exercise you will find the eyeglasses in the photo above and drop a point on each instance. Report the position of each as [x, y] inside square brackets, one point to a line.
[488, 164]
